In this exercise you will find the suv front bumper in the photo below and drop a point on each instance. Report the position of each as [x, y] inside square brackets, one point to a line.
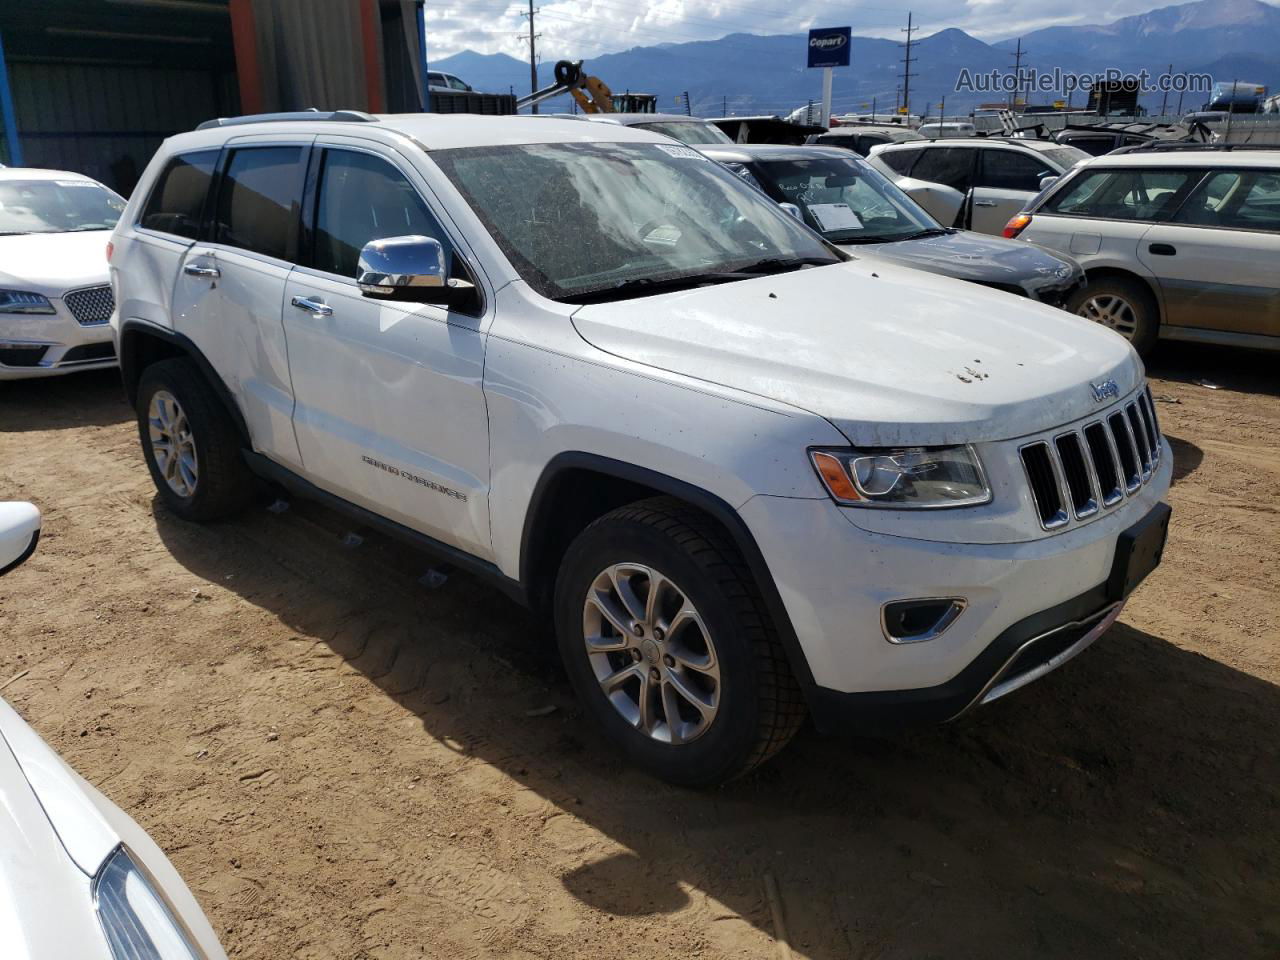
[1030, 607]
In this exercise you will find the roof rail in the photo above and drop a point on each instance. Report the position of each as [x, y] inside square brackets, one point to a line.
[340, 116]
[1177, 146]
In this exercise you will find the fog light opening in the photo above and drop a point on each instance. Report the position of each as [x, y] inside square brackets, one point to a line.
[915, 621]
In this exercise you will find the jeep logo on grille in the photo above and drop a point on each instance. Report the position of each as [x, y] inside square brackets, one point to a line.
[1104, 390]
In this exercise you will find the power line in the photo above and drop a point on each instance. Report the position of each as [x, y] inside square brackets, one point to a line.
[907, 60]
[1017, 72]
[533, 55]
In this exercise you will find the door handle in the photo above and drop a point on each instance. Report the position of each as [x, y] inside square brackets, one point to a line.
[199, 270]
[1163, 249]
[317, 308]
[984, 203]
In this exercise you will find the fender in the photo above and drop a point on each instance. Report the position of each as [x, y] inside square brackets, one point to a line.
[704, 500]
[132, 332]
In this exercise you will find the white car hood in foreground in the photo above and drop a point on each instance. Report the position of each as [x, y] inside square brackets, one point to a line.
[888, 354]
[55, 833]
[53, 263]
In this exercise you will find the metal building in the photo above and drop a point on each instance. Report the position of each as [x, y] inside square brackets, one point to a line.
[95, 85]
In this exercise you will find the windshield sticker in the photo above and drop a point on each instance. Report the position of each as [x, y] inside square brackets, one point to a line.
[684, 153]
[835, 216]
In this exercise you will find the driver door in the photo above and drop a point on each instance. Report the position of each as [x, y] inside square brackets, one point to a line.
[389, 410]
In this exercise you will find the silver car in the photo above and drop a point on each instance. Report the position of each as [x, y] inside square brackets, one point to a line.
[1180, 243]
[995, 177]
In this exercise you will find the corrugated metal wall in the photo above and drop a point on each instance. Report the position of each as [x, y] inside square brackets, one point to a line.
[106, 121]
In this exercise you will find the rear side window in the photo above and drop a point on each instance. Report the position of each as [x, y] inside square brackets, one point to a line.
[259, 198]
[176, 204]
[1012, 170]
[1237, 199]
[1132, 194]
[363, 198]
[899, 161]
[952, 166]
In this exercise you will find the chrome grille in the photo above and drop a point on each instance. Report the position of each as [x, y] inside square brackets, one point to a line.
[90, 306]
[1094, 467]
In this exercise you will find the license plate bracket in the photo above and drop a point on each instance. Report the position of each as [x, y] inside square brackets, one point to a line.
[1138, 552]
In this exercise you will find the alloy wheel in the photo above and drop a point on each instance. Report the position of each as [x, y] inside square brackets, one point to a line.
[651, 653]
[1111, 311]
[172, 445]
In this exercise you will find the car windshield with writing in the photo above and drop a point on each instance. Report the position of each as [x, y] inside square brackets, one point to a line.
[586, 222]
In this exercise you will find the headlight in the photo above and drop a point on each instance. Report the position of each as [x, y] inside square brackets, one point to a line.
[16, 301]
[903, 476]
[136, 920]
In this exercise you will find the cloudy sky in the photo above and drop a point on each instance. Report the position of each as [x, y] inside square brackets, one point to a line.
[587, 28]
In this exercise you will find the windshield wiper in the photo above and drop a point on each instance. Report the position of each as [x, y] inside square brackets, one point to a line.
[780, 265]
[931, 232]
[14, 233]
[643, 286]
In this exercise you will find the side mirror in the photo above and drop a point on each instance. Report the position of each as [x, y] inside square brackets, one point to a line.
[1047, 182]
[19, 533]
[792, 209]
[409, 268]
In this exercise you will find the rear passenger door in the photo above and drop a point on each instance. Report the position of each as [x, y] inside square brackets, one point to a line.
[1218, 260]
[230, 285]
[1007, 179]
[390, 410]
[949, 166]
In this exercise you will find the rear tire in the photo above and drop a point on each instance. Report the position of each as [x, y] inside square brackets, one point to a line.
[1123, 305]
[696, 698]
[190, 443]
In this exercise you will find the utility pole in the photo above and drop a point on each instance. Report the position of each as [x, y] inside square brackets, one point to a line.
[1017, 74]
[533, 54]
[1164, 101]
[907, 60]
[724, 106]
[688, 109]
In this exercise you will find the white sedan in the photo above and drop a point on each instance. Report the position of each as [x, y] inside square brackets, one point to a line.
[78, 878]
[55, 297]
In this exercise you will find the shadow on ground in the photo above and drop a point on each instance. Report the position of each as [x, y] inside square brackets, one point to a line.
[1228, 368]
[94, 398]
[1124, 806]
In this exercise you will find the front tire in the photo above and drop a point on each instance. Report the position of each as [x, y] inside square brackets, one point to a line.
[667, 642]
[1123, 305]
[191, 446]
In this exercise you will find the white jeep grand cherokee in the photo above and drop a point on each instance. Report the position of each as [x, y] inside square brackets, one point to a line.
[750, 476]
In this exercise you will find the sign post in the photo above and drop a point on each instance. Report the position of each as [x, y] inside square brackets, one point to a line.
[828, 47]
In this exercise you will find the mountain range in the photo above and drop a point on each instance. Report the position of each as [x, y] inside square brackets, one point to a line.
[746, 73]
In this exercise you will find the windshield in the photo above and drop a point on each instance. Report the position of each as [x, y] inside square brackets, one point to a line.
[845, 200]
[577, 219]
[57, 206]
[687, 131]
[1064, 158]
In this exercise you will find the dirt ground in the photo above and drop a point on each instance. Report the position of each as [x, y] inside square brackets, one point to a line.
[344, 763]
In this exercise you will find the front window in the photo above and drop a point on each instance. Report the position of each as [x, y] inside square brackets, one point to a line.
[612, 220]
[56, 206]
[687, 131]
[844, 200]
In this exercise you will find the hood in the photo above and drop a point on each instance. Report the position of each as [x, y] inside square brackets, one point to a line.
[53, 263]
[887, 354]
[46, 905]
[979, 257]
